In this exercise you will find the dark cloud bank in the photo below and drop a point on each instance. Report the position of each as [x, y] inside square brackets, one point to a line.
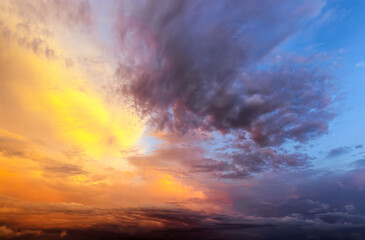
[297, 205]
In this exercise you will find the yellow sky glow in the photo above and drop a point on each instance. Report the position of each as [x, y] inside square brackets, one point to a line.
[61, 142]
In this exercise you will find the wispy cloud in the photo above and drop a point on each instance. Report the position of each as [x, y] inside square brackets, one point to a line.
[6, 232]
[360, 64]
[335, 152]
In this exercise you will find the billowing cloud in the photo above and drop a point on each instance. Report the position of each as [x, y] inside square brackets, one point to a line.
[192, 67]
[197, 66]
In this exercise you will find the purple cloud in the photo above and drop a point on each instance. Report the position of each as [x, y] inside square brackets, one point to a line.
[335, 152]
[236, 159]
[190, 66]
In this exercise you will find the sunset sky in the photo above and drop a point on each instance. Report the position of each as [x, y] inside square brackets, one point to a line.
[172, 119]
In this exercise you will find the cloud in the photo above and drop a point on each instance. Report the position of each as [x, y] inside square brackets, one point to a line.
[309, 193]
[360, 64]
[182, 223]
[360, 163]
[10, 147]
[76, 13]
[16, 147]
[38, 45]
[280, 205]
[34, 25]
[6, 232]
[189, 67]
[63, 234]
[236, 159]
[335, 152]
[192, 66]
[53, 168]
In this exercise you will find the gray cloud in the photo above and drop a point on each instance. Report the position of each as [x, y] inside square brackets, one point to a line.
[335, 152]
[188, 156]
[180, 223]
[190, 66]
[312, 194]
[280, 205]
[360, 163]
[53, 168]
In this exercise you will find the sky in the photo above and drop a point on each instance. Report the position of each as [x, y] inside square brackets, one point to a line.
[195, 119]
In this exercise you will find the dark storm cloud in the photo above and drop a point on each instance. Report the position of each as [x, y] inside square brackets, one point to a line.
[194, 65]
[304, 204]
